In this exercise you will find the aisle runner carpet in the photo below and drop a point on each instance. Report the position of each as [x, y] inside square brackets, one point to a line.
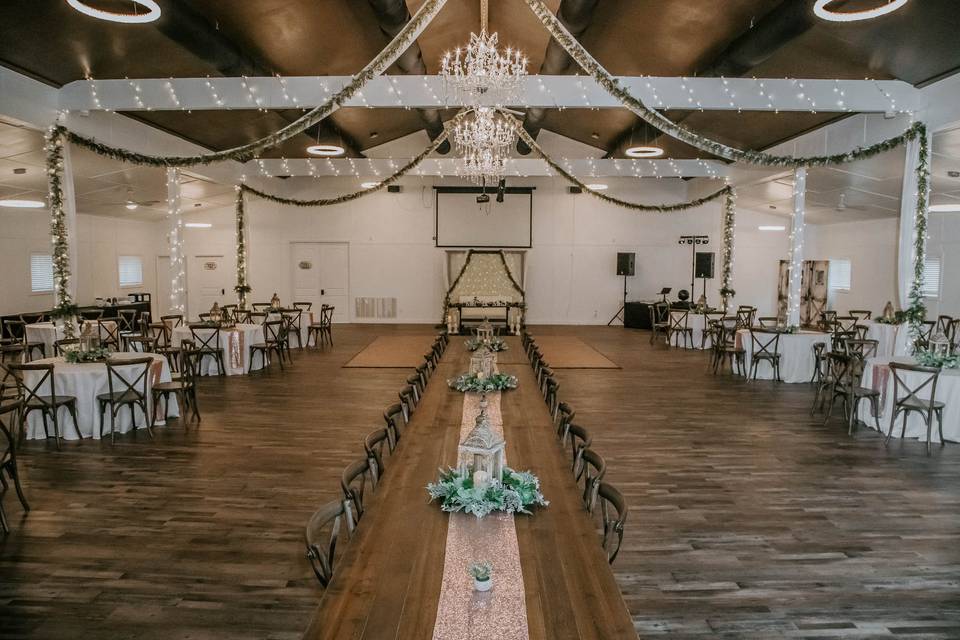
[567, 352]
[404, 352]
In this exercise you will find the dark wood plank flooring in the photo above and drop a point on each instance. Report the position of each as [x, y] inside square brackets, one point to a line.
[748, 519]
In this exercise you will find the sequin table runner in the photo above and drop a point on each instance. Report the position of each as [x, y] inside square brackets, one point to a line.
[463, 613]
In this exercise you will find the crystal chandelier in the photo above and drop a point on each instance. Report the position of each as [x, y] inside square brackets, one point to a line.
[485, 142]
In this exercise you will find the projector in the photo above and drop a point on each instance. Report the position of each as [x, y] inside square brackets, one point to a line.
[483, 198]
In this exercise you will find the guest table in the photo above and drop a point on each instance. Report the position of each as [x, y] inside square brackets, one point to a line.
[48, 333]
[892, 339]
[877, 375]
[234, 343]
[84, 381]
[797, 362]
[388, 582]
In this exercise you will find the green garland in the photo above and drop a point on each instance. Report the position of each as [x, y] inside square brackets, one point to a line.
[726, 251]
[76, 356]
[400, 43]
[58, 233]
[242, 287]
[927, 358]
[916, 313]
[494, 344]
[469, 382]
[514, 494]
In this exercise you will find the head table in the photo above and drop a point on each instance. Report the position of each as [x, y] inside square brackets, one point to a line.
[84, 381]
[396, 579]
[234, 343]
[797, 362]
[877, 375]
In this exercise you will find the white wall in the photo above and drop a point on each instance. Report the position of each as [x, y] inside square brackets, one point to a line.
[944, 232]
[100, 242]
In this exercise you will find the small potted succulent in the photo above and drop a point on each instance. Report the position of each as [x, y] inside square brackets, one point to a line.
[482, 573]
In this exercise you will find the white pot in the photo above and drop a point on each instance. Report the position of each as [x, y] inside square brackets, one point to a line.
[483, 585]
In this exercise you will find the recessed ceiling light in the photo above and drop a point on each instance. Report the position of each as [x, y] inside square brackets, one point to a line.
[132, 206]
[325, 150]
[23, 204]
[369, 185]
[197, 225]
[771, 227]
[153, 12]
[945, 208]
[644, 152]
[597, 186]
[821, 11]
[19, 171]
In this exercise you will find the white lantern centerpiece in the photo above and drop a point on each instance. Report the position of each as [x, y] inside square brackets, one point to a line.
[482, 450]
[216, 315]
[940, 344]
[275, 302]
[484, 332]
[483, 362]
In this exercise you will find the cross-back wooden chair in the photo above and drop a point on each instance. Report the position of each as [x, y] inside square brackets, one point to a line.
[846, 373]
[727, 348]
[47, 403]
[9, 415]
[322, 535]
[208, 343]
[552, 396]
[907, 400]
[126, 393]
[357, 479]
[376, 444]
[926, 329]
[862, 349]
[91, 314]
[827, 320]
[18, 331]
[415, 382]
[679, 325]
[172, 320]
[944, 325]
[613, 517]
[242, 316]
[394, 419]
[590, 472]
[261, 307]
[60, 347]
[108, 329]
[184, 388]
[768, 322]
[765, 346]
[860, 314]
[745, 316]
[273, 336]
[580, 439]
[408, 401]
[659, 321]
[847, 323]
[294, 320]
[565, 416]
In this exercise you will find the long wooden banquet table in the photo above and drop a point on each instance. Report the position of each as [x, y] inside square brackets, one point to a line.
[387, 584]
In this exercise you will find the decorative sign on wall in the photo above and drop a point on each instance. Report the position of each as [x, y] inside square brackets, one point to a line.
[305, 265]
[210, 266]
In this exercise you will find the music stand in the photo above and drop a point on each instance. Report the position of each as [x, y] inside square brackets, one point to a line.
[664, 292]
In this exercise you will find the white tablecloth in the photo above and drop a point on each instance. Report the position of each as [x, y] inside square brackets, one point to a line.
[48, 333]
[85, 381]
[893, 339]
[797, 362]
[697, 323]
[235, 344]
[877, 375]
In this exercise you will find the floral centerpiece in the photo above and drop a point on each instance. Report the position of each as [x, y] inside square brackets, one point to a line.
[928, 358]
[77, 356]
[482, 574]
[493, 344]
[467, 382]
[898, 317]
[456, 492]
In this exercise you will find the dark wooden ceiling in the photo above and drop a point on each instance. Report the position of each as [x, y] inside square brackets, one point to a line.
[50, 41]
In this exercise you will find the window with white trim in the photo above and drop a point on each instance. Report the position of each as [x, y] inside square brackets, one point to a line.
[41, 273]
[839, 279]
[130, 269]
[931, 277]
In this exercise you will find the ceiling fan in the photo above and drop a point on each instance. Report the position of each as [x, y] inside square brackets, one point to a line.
[131, 203]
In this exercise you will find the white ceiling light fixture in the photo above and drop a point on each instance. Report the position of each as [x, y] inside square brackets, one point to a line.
[197, 225]
[945, 208]
[368, 185]
[134, 17]
[325, 150]
[597, 186]
[131, 205]
[23, 204]
[771, 227]
[821, 11]
[644, 152]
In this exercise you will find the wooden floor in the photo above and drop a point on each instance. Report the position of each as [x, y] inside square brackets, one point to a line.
[748, 519]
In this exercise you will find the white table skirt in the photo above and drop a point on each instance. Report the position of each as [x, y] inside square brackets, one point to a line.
[235, 344]
[877, 375]
[893, 339]
[48, 333]
[85, 381]
[797, 362]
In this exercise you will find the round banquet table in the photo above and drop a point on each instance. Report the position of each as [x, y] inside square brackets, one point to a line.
[48, 333]
[892, 339]
[877, 375]
[234, 342]
[85, 381]
[797, 362]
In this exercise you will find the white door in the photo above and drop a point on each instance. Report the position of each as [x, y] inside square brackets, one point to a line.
[210, 279]
[161, 304]
[321, 275]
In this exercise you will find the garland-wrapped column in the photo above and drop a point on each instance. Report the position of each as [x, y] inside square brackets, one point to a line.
[242, 288]
[916, 195]
[178, 277]
[726, 253]
[63, 215]
[797, 224]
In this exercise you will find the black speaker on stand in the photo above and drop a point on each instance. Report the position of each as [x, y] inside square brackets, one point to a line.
[626, 266]
[703, 268]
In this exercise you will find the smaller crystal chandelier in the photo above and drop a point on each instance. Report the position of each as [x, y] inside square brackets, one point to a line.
[482, 72]
[485, 142]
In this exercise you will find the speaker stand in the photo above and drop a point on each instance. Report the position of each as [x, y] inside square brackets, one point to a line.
[621, 313]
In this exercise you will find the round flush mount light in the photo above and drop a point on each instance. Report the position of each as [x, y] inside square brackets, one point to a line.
[325, 150]
[23, 204]
[132, 206]
[771, 227]
[136, 16]
[597, 186]
[644, 152]
[198, 225]
[369, 185]
[821, 10]
[945, 208]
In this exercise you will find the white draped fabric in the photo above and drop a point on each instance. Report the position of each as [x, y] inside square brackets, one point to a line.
[84, 381]
[796, 244]
[908, 209]
[892, 339]
[877, 375]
